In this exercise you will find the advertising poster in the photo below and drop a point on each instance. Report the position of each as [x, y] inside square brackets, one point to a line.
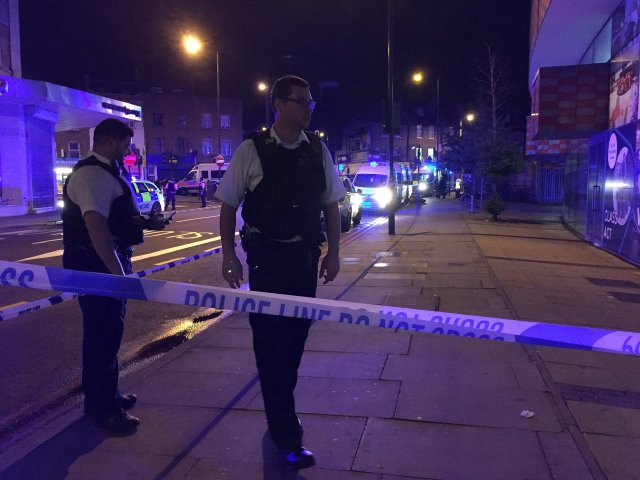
[623, 94]
[625, 26]
[621, 194]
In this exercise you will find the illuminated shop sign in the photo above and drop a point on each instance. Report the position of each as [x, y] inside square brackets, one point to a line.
[121, 108]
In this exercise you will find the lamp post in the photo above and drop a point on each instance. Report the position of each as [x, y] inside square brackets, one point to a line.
[389, 119]
[263, 87]
[192, 46]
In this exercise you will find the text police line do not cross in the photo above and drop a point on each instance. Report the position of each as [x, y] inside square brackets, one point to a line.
[471, 326]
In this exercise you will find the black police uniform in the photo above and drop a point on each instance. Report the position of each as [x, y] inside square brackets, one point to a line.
[283, 258]
[103, 317]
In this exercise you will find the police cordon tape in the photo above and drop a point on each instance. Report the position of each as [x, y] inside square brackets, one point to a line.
[472, 326]
[29, 307]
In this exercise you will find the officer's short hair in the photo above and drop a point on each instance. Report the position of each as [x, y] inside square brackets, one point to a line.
[111, 128]
[282, 87]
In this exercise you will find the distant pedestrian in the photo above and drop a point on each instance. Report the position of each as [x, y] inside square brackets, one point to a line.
[170, 194]
[202, 191]
[443, 185]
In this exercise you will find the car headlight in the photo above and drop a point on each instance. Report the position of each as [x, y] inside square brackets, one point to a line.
[422, 186]
[383, 196]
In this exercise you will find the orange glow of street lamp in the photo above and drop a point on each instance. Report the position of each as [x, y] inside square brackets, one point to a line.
[470, 117]
[262, 86]
[192, 44]
[417, 77]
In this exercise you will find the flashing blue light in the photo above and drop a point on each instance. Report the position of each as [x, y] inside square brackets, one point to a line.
[340, 167]
[374, 164]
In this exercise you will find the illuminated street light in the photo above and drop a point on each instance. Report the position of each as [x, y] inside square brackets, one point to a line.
[263, 87]
[192, 46]
[417, 78]
[470, 118]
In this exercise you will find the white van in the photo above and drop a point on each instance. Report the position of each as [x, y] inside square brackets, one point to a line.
[205, 171]
[373, 180]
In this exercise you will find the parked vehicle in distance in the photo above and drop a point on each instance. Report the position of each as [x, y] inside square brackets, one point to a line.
[205, 171]
[149, 196]
[373, 180]
[350, 206]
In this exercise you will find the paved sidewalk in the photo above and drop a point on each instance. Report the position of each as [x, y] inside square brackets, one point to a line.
[384, 405]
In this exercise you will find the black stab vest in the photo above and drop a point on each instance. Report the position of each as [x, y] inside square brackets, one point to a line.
[288, 200]
[124, 218]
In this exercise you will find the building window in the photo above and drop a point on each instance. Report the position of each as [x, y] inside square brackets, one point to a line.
[432, 132]
[205, 121]
[158, 119]
[207, 146]
[158, 145]
[181, 121]
[74, 149]
[225, 148]
[225, 121]
[419, 131]
[181, 146]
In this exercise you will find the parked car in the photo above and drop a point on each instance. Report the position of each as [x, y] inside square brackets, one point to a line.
[350, 206]
[149, 196]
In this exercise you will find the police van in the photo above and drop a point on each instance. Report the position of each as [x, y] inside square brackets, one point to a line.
[149, 197]
[372, 179]
[205, 171]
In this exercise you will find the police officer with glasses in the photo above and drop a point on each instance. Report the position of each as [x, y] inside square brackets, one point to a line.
[286, 178]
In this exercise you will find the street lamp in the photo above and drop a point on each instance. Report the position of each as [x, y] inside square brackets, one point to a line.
[263, 87]
[470, 117]
[192, 46]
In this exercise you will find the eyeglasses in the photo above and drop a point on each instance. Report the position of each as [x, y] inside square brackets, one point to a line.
[303, 102]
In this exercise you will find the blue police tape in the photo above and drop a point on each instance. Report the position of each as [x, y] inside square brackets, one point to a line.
[29, 307]
[472, 326]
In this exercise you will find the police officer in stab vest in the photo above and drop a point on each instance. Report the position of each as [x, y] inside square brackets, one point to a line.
[287, 178]
[101, 223]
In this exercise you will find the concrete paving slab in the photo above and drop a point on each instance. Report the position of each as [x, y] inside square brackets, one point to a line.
[617, 456]
[606, 419]
[571, 357]
[453, 452]
[626, 368]
[352, 339]
[563, 457]
[465, 349]
[586, 376]
[479, 406]
[528, 376]
[342, 365]
[240, 437]
[228, 337]
[392, 277]
[420, 301]
[112, 465]
[208, 469]
[449, 372]
[215, 360]
[340, 396]
[197, 389]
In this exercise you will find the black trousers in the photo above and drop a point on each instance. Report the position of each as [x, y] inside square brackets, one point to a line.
[170, 198]
[278, 342]
[103, 327]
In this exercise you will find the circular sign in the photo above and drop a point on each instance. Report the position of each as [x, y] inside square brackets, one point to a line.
[612, 154]
[130, 159]
[220, 160]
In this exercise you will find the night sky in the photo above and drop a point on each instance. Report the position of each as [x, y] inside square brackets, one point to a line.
[322, 40]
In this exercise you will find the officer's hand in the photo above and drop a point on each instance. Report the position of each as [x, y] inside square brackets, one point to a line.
[232, 271]
[156, 222]
[329, 268]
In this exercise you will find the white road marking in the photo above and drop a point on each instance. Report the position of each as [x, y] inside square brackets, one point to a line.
[197, 218]
[55, 253]
[47, 241]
